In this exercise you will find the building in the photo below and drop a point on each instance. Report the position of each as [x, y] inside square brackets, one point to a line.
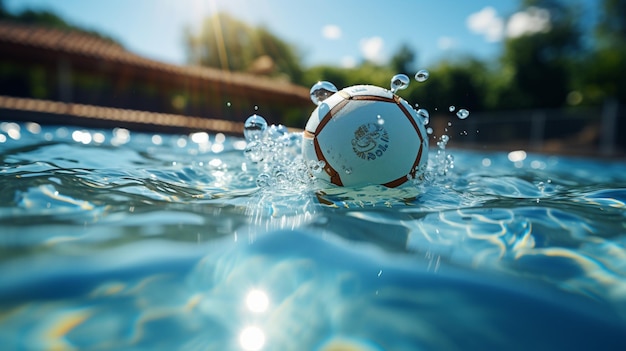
[54, 76]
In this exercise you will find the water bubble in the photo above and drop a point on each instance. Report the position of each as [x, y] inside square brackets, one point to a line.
[380, 120]
[253, 151]
[445, 139]
[422, 75]
[348, 170]
[424, 114]
[228, 104]
[254, 127]
[276, 132]
[399, 82]
[316, 166]
[462, 113]
[321, 90]
[281, 177]
[451, 108]
[264, 180]
[429, 130]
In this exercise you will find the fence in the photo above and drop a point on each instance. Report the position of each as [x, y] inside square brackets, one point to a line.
[588, 131]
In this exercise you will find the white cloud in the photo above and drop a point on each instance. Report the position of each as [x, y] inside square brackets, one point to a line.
[446, 43]
[331, 31]
[348, 62]
[533, 20]
[372, 49]
[486, 22]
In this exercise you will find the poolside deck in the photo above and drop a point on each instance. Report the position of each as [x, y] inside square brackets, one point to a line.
[60, 113]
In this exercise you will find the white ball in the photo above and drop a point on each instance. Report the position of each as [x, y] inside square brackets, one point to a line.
[366, 135]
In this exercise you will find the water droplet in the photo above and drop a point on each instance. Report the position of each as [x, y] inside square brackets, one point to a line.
[451, 108]
[254, 127]
[316, 166]
[380, 120]
[424, 114]
[256, 108]
[281, 177]
[462, 113]
[275, 132]
[422, 75]
[399, 82]
[429, 130]
[321, 90]
[348, 170]
[253, 151]
[541, 186]
[228, 104]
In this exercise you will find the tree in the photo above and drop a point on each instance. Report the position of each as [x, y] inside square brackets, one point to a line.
[603, 73]
[461, 83]
[611, 27]
[540, 62]
[403, 60]
[227, 43]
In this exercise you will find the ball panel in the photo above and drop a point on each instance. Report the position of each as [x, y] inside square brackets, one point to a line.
[365, 90]
[369, 142]
[323, 110]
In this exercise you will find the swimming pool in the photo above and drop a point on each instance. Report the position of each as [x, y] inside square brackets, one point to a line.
[112, 239]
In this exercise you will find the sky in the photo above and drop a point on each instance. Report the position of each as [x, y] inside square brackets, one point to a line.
[334, 32]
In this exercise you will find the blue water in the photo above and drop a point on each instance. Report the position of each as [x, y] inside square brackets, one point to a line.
[112, 239]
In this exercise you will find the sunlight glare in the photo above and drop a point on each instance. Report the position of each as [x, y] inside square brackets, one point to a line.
[252, 338]
[257, 301]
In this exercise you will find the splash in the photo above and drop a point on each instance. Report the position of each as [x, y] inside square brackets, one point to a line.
[276, 153]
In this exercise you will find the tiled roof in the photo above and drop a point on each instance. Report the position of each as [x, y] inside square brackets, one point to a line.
[85, 45]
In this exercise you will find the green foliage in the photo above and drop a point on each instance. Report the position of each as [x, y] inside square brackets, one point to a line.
[402, 61]
[367, 73]
[227, 43]
[461, 84]
[540, 62]
[611, 28]
[602, 71]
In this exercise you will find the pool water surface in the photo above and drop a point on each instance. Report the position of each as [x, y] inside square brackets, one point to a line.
[111, 239]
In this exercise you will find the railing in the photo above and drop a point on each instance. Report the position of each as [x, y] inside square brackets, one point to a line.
[589, 131]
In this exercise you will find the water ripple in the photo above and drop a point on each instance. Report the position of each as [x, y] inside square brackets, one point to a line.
[168, 230]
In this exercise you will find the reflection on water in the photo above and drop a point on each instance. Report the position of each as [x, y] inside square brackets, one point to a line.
[121, 240]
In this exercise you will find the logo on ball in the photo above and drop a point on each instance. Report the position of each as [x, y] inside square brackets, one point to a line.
[370, 141]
